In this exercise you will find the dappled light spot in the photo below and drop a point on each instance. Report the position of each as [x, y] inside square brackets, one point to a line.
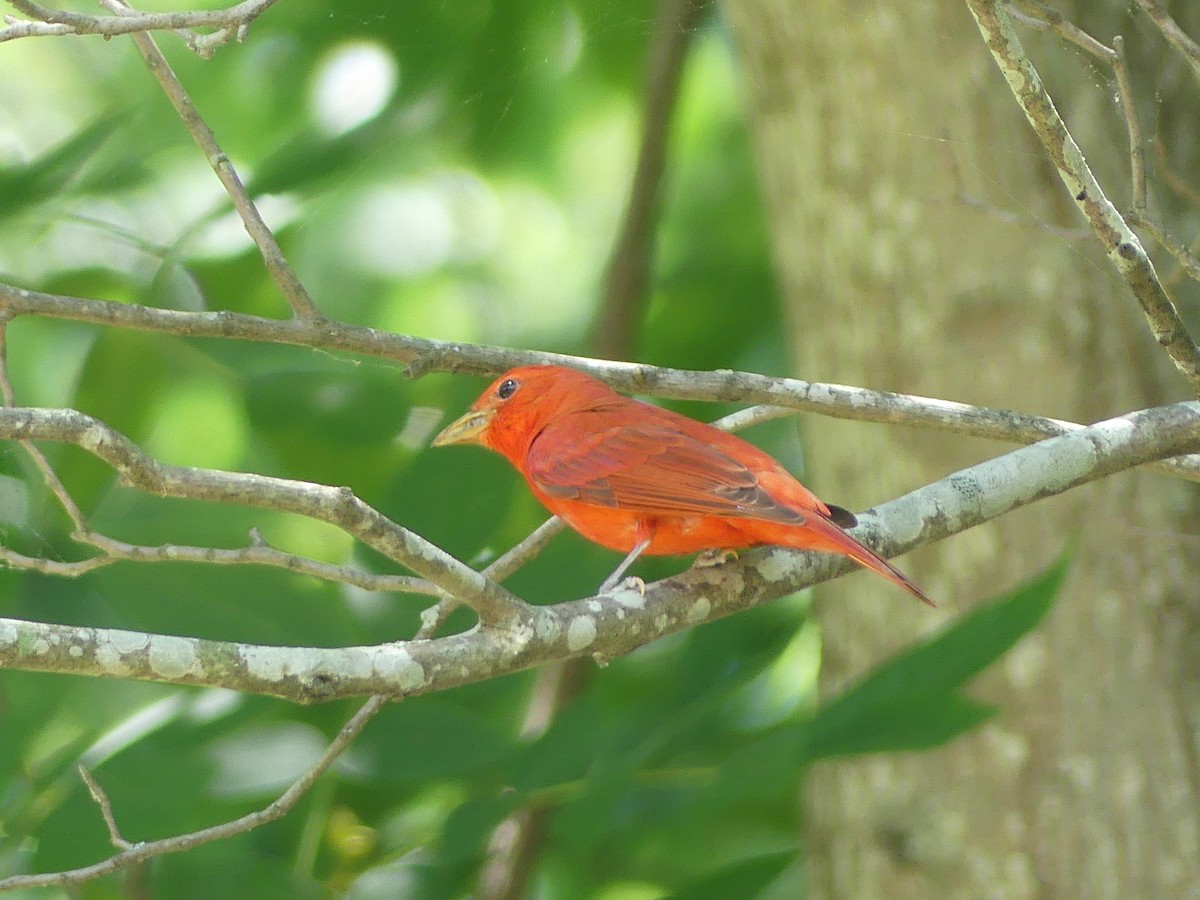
[199, 423]
[352, 85]
[404, 229]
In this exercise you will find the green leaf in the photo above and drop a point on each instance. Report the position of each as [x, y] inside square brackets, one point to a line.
[744, 878]
[911, 702]
[470, 825]
[48, 177]
[430, 738]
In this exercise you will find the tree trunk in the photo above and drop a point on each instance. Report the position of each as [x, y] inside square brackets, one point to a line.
[1086, 784]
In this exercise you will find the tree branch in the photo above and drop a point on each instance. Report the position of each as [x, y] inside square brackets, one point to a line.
[1175, 35]
[230, 22]
[1122, 246]
[112, 550]
[276, 263]
[134, 854]
[613, 624]
[423, 355]
[49, 22]
[336, 506]
[1038, 15]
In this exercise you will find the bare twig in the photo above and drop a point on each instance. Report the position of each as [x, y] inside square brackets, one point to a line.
[106, 812]
[1137, 156]
[337, 506]
[114, 551]
[134, 854]
[1175, 35]
[613, 624]
[750, 416]
[433, 618]
[422, 355]
[281, 272]
[1044, 18]
[50, 22]
[1124, 249]
[1182, 253]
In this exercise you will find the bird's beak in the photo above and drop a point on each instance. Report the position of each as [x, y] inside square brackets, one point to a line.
[466, 429]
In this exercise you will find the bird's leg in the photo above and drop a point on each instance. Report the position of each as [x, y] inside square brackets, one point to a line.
[644, 535]
[611, 581]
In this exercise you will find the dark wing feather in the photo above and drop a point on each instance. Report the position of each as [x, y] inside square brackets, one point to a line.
[842, 517]
[648, 468]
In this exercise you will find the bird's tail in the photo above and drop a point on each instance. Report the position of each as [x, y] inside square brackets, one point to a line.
[818, 533]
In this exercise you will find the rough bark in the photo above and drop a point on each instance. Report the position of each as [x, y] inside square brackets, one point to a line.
[1086, 785]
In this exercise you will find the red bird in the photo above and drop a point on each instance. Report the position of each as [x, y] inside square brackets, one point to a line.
[641, 479]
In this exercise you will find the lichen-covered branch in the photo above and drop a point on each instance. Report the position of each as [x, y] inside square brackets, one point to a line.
[614, 624]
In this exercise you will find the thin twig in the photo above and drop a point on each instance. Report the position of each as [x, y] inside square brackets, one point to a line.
[433, 618]
[422, 356]
[336, 506]
[51, 22]
[1044, 18]
[1176, 36]
[281, 271]
[1121, 244]
[106, 811]
[115, 551]
[1183, 255]
[49, 477]
[1137, 156]
[140, 852]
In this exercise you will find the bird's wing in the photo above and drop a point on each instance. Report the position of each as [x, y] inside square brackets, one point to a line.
[650, 469]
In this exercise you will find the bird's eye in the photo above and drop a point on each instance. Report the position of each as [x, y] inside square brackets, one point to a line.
[507, 388]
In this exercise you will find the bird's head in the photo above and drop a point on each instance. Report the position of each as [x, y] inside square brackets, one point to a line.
[519, 404]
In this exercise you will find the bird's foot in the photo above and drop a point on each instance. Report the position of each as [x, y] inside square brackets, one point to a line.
[632, 583]
[611, 581]
[710, 558]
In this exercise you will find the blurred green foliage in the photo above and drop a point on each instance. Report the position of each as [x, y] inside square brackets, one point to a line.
[456, 172]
